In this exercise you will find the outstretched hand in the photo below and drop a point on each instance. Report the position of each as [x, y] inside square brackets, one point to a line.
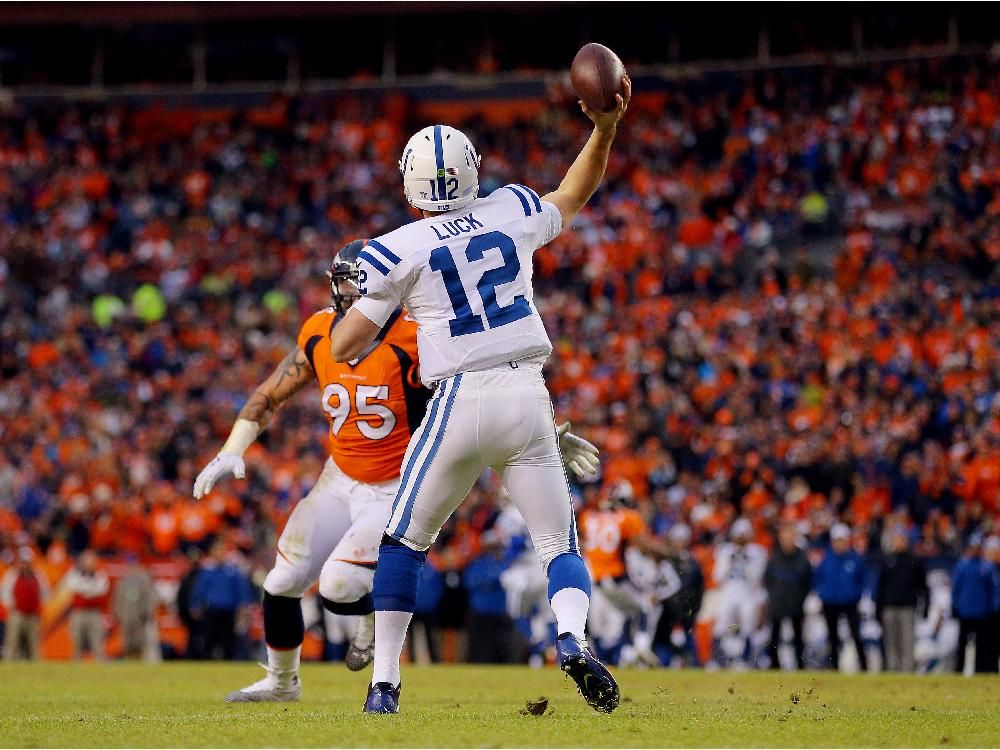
[224, 463]
[607, 121]
[581, 456]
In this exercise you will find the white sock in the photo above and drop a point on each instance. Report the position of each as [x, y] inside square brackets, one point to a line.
[284, 663]
[570, 607]
[390, 632]
[365, 633]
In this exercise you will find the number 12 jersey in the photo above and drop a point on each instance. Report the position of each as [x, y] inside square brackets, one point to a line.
[465, 277]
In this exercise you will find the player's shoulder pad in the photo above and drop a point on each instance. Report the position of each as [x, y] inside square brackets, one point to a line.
[383, 254]
[377, 256]
[527, 198]
[319, 323]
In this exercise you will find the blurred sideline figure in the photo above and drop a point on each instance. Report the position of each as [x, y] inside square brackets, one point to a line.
[973, 598]
[219, 595]
[133, 604]
[787, 578]
[902, 587]
[839, 582]
[673, 640]
[493, 638]
[610, 527]
[89, 587]
[23, 593]
[738, 572]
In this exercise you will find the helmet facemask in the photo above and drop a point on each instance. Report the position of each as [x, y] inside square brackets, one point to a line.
[344, 286]
[345, 277]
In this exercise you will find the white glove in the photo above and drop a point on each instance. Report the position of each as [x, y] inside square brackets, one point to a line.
[578, 454]
[218, 467]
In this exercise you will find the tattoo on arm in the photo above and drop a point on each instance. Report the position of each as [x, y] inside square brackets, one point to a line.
[259, 408]
[291, 376]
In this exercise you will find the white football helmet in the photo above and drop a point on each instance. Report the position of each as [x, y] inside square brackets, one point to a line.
[440, 169]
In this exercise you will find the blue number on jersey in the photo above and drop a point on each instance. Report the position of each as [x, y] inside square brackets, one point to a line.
[465, 321]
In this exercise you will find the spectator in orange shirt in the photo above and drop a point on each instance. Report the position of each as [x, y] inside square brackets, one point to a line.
[164, 528]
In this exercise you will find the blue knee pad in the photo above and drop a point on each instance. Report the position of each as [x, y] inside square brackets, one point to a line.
[397, 577]
[567, 571]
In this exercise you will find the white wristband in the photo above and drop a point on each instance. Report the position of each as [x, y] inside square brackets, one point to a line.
[243, 434]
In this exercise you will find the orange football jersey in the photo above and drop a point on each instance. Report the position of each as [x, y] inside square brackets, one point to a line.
[374, 404]
[605, 533]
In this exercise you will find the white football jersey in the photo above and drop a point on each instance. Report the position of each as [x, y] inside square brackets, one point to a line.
[745, 564]
[465, 277]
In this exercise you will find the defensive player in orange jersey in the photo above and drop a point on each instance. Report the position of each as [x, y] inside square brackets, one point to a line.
[373, 403]
[608, 528]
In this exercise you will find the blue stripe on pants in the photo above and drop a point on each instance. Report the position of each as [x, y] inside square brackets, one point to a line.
[435, 403]
[408, 508]
[572, 514]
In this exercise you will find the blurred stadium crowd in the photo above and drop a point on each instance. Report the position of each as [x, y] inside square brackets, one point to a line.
[781, 307]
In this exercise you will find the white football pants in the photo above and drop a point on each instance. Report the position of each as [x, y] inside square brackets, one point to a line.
[337, 525]
[503, 418]
[738, 605]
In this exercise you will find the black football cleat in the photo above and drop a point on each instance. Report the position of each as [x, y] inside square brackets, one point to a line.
[382, 698]
[596, 684]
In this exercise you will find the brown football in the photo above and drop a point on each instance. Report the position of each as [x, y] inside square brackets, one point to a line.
[596, 75]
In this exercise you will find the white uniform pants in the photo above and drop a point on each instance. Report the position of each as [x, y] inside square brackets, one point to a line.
[337, 525]
[738, 605]
[501, 418]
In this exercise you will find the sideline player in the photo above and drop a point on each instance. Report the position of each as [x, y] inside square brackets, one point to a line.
[373, 403]
[739, 573]
[464, 273]
[609, 527]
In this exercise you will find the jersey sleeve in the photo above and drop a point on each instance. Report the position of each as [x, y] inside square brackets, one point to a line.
[382, 280]
[544, 221]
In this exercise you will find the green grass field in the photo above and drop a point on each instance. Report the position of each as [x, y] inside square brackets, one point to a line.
[180, 705]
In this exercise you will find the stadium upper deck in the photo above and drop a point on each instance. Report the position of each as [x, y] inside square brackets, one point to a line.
[198, 47]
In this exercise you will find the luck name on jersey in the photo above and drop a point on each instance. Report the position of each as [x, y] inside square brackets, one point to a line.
[465, 276]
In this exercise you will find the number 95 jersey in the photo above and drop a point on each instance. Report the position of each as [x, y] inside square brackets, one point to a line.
[374, 403]
[465, 276]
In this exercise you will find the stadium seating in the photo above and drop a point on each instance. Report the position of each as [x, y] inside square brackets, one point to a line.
[782, 304]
